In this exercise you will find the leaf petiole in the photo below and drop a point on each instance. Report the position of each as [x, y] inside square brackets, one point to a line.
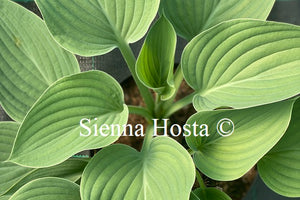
[200, 180]
[131, 61]
[180, 104]
[140, 111]
[147, 139]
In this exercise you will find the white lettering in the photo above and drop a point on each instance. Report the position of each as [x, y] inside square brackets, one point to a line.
[187, 131]
[103, 130]
[164, 127]
[139, 130]
[85, 127]
[203, 132]
[179, 130]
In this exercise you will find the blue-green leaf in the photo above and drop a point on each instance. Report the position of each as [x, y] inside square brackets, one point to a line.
[194, 16]
[249, 135]
[280, 167]
[30, 60]
[63, 121]
[165, 171]
[13, 176]
[48, 188]
[243, 63]
[94, 27]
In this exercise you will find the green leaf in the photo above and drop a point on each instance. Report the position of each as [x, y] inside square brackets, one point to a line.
[254, 131]
[30, 60]
[62, 121]
[13, 176]
[243, 63]
[119, 172]
[156, 60]
[95, 27]
[279, 168]
[189, 18]
[48, 188]
[8, 132]
[70, 169]
[9, 172]
[208, 194]
[5, 197]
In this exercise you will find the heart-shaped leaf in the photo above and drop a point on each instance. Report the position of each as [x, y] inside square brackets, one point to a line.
[191, 17]
[65, 120]
[13, 176]
[156, 60]
[95, 27]
[30, 60]
[208, 194]
[243, 63]
[279, 168]
[48, 188]
[254, 131]
[166, 171]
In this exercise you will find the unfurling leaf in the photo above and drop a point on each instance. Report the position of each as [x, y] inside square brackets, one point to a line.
[156, 60]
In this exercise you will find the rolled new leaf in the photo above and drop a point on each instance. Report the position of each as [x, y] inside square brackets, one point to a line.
[165, 171]
[190, 18]
[156, 60]
[94, 27]
[243, 63]
[279, 168]
[68, 117]
[235, 140]
[48, 188]
[30, 60]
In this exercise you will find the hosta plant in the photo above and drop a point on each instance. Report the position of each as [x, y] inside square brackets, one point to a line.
[244, 70]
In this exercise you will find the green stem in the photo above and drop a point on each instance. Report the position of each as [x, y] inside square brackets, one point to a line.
[178, 78]
[191, 152]
[180, 104]
[140, 111]
[200, 180]
[158, 107]
[147, 139]
[131, 61]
